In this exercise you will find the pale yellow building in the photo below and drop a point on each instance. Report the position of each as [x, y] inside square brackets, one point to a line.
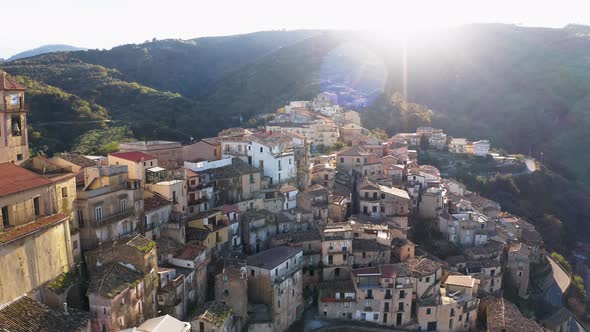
[35, 242]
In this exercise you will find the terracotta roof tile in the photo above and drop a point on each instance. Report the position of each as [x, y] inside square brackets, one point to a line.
[8, 83]
[133, 156]
[14, 179]
[155, 202]
[17, 232]
[25, 314]
[78, 160]
[112, 279]
[271, 258]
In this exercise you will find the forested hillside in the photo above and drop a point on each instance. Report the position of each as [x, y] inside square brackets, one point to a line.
[519, 87]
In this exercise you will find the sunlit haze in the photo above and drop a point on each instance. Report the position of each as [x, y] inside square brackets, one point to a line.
[108, 23]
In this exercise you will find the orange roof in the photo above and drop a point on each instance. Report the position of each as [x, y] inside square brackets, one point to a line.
[8, 83]
[14, 179]
[17, 232]
[136, 156]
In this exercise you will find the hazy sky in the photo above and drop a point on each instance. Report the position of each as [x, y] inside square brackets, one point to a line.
[107, 23]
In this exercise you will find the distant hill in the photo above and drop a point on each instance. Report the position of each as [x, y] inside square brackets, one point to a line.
[520, 87]
[44, 49]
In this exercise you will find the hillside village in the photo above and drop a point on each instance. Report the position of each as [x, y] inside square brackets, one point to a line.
[255, 229]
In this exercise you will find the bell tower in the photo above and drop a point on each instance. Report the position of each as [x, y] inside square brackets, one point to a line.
[14, 143]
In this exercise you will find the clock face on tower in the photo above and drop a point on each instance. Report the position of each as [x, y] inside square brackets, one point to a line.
[14, 99]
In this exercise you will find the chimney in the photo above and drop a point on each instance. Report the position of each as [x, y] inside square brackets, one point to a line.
[66, 307]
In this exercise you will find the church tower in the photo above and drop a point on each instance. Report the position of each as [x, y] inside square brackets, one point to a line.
[14, 143]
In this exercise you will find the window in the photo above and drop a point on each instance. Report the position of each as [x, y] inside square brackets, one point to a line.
[19, 156]
[364, 254]
[337, 272]
[252, 273]
[251, 178]
[386, 307]
[75, 244]
[358, 160]
[144, 163]
[261, 163]
[369, 293]
[16, 125]
[428, 311]
[226, 292]
[402, 294]
[36, 206]
[400, 306]
[452, 312]
[374, 195]
[383, 209]
[98, 213]
[342, 160]
[80, 218]
[261, 149]
[374, 209]
[375, 316]
[5, 218]
[174, 199]
[122, 205]
[382, 196]
[427, 279]
[290, 161]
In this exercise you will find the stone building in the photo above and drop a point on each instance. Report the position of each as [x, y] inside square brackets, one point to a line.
[274, 279]
[35, 237]
[383, 294]
[212, 316]
[337, 299]
[173, 291]
[162, 150]
[402, 250]
[210, 229]
[137, 164]
[24, 314]
[518, 267]
[192, 260]
[315, 200]
[500, 315]
[14, 145]
[311, 243]
[117, 298]
[108, 205]
[231, 289]
[426, 275]
[454, 309]
[337, 256]
[157, 210]
[138, 254]
[369, 252]
[378, 200]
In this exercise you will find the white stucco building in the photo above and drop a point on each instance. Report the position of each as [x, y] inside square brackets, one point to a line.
[481, 148]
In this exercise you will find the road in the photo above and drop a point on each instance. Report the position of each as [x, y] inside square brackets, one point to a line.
[561, 282]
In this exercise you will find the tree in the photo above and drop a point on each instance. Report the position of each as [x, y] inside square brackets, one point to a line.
[380, 134]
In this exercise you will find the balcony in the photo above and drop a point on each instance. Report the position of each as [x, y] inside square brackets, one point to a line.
[116, 217]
